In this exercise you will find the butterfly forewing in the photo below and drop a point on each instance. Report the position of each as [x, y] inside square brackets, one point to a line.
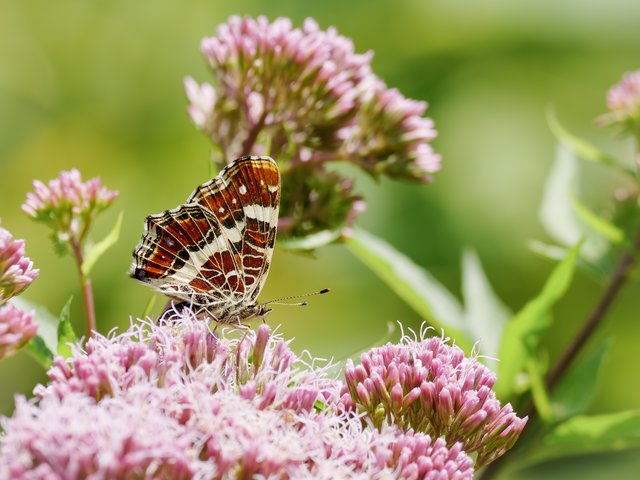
[246, 198]
[216, 249]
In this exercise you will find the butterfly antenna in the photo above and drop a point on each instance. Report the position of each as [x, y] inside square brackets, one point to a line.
[280, 301]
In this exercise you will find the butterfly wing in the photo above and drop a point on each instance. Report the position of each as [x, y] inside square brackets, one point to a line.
[217, 247]
[245, 198]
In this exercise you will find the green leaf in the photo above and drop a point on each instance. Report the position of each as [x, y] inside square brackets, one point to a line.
[539, 391]
[47, 323]
[66, 335]
[576, 389]
[485, 314]
[522, 334]
[311, 242]
[557, 211]
[582, 148]
[95, 252]
[598, 224]
[598, 433]
[38, 350]
[413, 284]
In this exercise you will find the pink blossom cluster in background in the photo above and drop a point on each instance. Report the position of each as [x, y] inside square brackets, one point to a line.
[67, 204]
[304, 97]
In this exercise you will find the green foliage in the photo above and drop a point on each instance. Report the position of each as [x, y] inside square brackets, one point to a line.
[596, 433]
[311, 242]
[40, 352]
[96, 251]
[66, 335]
[485, 314]
[575, 391]
[413, 284]
[522, 334]
[581, 147]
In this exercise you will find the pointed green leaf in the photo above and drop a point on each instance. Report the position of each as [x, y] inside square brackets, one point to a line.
[523, 332]
[38, 350]
[413, 284]
[485, 314]
[539, 391]
[597, 433]
[576, 389]
[66, 335]
[598, 224]
[47, 323]
[582, 148]
[95, 252]
[557, 212]
[311, 242]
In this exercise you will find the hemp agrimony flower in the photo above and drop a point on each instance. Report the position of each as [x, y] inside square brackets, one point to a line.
[623, 100]
[16, 329]
[429, 386]
[303, 96]
[176, 400]
[16, 270]
[16, 274]
[69, 206]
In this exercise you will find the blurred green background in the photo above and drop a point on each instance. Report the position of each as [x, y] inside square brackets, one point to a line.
[97, 85]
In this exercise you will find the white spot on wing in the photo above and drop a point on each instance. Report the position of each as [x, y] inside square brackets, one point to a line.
[262, 214]
[242, 189]
[221, 210]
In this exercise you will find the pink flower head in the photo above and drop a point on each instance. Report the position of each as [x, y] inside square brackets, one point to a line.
[305, 97]
[16, 270]
[174, 400]
[67, 204]
[429, 386]
[623, 101]
[16, 329]
[75, 438]
[624, 97]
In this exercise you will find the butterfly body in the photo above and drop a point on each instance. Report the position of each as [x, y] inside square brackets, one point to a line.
[214, 251]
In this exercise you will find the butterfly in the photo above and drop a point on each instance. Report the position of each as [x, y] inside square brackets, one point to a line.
[214, 251]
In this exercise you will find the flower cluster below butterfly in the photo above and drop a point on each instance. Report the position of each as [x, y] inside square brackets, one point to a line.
[214, 251]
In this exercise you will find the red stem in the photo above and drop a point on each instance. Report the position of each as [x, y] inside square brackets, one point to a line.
[87, 290]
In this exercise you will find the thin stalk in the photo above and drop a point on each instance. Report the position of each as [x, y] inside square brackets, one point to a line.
[617, 281]
[87, 290]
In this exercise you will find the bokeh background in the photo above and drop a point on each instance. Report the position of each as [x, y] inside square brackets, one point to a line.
[98, 86]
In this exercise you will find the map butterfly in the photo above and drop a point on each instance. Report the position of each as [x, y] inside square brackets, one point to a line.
[214, 251]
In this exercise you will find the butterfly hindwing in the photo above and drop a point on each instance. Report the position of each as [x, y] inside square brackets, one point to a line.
[216, 248]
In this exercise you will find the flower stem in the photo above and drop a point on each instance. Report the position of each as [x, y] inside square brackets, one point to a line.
[87, 290]
[594, 319]
[618, 279]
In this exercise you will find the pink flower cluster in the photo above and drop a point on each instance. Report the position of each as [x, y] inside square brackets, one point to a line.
[67, 204]
[16, 329]
[177, 401]
[16, 274]
[16, 270]
[431, 387]
[303, 96]
[624, 98]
